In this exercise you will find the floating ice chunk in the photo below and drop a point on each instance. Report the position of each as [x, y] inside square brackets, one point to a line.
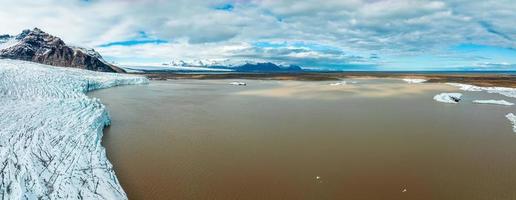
[505, 91]
[508, 92]
[466, 87]
[415, 80]
[497, 102]
[338, 83]
[448, 97]
[511, 117]
[238, 83]
[51, 132]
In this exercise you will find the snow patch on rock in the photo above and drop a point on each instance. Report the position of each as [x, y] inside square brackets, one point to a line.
[408, 80]
[50, 132]
[448, 97]
[7, 42]
[511, 117]
[496, 102]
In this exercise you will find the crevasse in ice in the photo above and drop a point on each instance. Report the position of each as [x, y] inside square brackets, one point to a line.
[50, 132]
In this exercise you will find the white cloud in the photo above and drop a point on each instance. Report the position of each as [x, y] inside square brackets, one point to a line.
[196, 29]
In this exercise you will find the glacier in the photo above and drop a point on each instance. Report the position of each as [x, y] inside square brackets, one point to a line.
[448, 97]
[50, 132]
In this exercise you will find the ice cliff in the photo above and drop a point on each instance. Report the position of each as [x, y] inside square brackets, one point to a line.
[50, 132]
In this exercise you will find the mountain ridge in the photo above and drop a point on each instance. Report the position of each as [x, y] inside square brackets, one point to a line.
[40, 47]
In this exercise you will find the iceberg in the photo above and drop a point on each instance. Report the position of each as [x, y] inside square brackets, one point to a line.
[338, 83]
[448, 97]
[505, 91]
[511, 117]
[238, 83]
[496, 102]
[51, 132]
[408, 80]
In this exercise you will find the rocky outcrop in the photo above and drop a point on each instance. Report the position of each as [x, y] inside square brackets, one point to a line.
[37, 46]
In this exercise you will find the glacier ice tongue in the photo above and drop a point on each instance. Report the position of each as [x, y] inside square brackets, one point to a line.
[448, 97]
[50, 132]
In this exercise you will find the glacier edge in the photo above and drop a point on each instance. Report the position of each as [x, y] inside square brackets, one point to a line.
[51, 132]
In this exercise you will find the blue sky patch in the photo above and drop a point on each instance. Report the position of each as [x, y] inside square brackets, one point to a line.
[134, 42]
[225, 7]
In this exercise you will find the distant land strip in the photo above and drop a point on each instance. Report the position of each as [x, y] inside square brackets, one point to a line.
[485, 80]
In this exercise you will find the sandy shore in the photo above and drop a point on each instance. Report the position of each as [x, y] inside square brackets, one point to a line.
[485, 80]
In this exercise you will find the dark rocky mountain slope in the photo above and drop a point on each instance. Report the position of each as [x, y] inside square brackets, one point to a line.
[37, 46]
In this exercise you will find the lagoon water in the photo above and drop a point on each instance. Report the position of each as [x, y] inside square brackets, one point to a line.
[373, 139]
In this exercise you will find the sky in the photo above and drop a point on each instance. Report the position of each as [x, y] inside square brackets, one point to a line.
[315, 34]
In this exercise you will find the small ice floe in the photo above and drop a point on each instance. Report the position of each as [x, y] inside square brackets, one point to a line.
[238, 83]
[413, 80]
[496, 102]
[511, 117]
[448, 97]
[338, 83]
[466, 87]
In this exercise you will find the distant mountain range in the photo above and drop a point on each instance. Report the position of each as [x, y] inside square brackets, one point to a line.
[225, 65]
[265, 67]
[37, 46]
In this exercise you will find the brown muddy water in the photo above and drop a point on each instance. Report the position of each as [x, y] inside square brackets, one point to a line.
[374, 139]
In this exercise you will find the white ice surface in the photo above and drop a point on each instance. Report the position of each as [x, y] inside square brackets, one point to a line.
[238, 83]
[408, 80]
[505, 91]
[511, 117]
[496, 102]
[447, 97]
[50, 133]
[338, 83]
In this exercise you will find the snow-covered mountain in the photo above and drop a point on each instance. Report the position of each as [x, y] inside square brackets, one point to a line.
[233, 65]
[207, 63]
[37, 46]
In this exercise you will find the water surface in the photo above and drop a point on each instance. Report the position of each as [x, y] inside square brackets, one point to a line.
[206, 139]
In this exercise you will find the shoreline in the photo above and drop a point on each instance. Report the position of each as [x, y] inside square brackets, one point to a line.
[484, 80]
